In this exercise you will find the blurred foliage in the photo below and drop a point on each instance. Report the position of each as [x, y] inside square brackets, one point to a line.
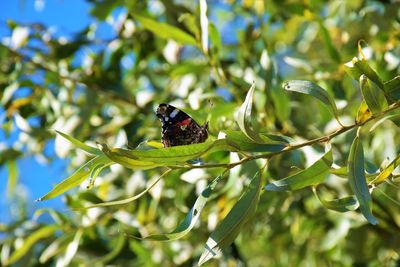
[188, 53]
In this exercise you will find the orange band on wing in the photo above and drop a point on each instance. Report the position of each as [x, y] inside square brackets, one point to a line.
[184, 122]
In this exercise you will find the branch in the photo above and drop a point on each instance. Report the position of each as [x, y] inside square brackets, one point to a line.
[289, 148]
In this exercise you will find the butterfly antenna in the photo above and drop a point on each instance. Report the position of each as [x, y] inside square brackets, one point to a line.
[210, 107]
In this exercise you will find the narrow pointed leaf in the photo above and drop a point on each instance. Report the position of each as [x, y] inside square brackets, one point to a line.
[374, 97]
[176, 154]
[357, 67]
[127, 200]
[117, 155]
[77, 177]
[31, 240]
[344, 204]
[229, 228]
[12, 179]
[392, 88]
[358, 181]
[387, 172]
[165, 31]
[191, 218]
[309, 88]
[313, 175]
[271, 143]
[79, 144]
[244, 116]
[56, 247]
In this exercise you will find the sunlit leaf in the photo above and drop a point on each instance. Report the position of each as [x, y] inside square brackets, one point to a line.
[12, 179]
[77, 177]
[71, 249]
[191, 218]
[313, 175]
[56, 247]
[357, 67]
[164, 30]
[309, 88]
[363, 113]
[387, 172]
[79, 144]
[358, 181]
[204, 25]
[168, 156]
[244, 116]
[31, 240]
[229, 228]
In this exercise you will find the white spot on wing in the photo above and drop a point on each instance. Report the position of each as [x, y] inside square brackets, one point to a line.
[166, 118]
[173, 113]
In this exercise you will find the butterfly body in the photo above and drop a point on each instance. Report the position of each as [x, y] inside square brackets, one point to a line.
[178, 128]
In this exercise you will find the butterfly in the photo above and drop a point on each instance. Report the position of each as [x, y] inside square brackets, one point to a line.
[178, 128]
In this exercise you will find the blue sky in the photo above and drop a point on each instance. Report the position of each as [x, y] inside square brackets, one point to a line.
[37, 178]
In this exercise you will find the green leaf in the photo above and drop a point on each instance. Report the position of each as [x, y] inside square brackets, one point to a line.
[271, 143]
[127, 200]
[115, 251]
[215, 38]
[309, 88]
[344, 204]
[72, 247]
[191, 218]
[56, 247]
[77, 177]
[57, 216]
[165, 31]
[387, 172]
[313, 175]
[244, 116]
[12, 180]
[374, 97]
[357, 67]
[344, 173]
[333, 53]
[358, 181]
[31, 240]
[170, 155]
[123, 157]
[79, 144]
[392, 88]
[229, 228]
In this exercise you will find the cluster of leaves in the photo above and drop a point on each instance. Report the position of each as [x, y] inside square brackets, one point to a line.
[178, 53]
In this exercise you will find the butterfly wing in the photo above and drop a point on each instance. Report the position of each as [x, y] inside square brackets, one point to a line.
[178, 128]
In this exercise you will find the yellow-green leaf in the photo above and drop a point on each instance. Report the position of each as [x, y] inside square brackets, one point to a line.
[164, 30]
[78, 176]
[31, 240]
